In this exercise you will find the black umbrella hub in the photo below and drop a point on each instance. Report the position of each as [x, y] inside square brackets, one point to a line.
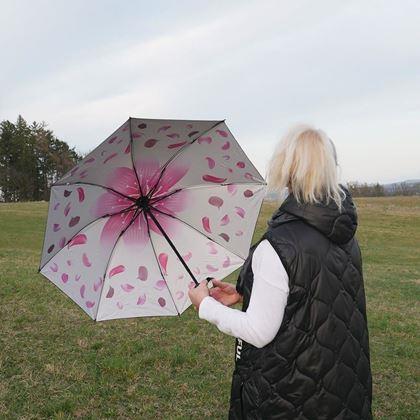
[143, 202]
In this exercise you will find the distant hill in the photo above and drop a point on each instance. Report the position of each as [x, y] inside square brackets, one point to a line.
[410, 185]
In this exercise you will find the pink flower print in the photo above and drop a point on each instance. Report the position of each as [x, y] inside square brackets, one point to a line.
[122, 208]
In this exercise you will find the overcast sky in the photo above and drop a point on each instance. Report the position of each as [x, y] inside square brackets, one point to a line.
[351, 68]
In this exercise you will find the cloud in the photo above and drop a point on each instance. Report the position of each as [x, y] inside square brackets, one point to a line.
[350, 68]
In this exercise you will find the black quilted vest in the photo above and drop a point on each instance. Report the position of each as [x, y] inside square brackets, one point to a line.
[317, 366]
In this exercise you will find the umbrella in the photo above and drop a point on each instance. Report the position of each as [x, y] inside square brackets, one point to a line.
[157, 207]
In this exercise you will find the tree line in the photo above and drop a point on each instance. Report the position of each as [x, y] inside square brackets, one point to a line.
[31, 159]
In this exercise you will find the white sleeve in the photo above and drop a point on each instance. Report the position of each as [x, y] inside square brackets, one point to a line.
[263, 317]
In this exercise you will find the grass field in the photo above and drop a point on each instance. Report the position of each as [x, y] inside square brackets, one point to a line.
[57, 363]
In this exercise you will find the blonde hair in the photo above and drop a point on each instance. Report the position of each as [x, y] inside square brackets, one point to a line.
[305, 161]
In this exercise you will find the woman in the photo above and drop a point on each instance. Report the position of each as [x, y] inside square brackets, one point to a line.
[302, 349]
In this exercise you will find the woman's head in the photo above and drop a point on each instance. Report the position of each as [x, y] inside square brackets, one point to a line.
[305, 162]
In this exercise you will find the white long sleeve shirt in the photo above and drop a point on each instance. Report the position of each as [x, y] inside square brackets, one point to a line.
[263, 317]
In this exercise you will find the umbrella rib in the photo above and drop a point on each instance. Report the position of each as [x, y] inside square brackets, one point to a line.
[162, 197]
[157, 262]
[130, 208]
[192, 227]
[177, 153]
[132, 156]
[136, 214]
[96, 185]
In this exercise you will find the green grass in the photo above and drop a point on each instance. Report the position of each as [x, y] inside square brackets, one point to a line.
[57, 363]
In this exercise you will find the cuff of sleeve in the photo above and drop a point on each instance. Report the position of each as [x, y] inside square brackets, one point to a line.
[204, 309]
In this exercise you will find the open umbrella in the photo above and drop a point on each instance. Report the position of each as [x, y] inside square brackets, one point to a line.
[157, 207]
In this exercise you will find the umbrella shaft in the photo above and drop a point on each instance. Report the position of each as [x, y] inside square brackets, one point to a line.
[152, 216]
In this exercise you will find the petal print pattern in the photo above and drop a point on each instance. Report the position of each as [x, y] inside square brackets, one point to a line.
[107, 253]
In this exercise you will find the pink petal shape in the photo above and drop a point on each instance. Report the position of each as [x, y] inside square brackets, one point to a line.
[213, 249]
[193, 133]
[187, 257]
[163, 261]
[68, 262]
[86, 261]
[111, 156]
[206, 139]
[162, 302]
[67, 193]
[90, 304]
[216, 201]
[171, 176]
[211, 162]
[64, 277]
[150, 143]
[56, 206]
[56, 227]
[222, 133]
[160, 285]
[164, 128]
[77, 277]
[206, 224]
[124, 180]
[211, 268]
[50, 249]
[97, 284]
[142, 299]
[240, 165]
[83, 174]
[127, 150]
[173, 135]
[239, 233]
[127, 287]
[240, 211]
[115, 225]
[226, 146]
[62, 242]
[67, 209]
[175, 145]
[249, 176]
[214, 179]
[225, 236]
[82, 291]
[142, 126]
[136, 135]
[90, 160]
[248, 193]
[224, 220]
[226, 157]
[81, 194]
[232, 189]
[120, 305]
[190, 126]
[112, 139]
[226, 262]
[54, 267]
[179, 295]
[142, 273]
[116, 270]
[110, 292]
[79, 239]
[74, 221]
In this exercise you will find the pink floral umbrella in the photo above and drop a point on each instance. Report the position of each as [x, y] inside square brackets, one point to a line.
[157, 207]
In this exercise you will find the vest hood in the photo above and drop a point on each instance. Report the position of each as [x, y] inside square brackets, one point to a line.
[337, 226]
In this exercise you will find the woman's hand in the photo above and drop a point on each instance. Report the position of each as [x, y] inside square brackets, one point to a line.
[225, 293]
[197, 294]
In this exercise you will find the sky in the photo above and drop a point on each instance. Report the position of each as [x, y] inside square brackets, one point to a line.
[351, 68]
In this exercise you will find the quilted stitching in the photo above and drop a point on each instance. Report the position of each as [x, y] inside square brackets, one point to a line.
[318, 366]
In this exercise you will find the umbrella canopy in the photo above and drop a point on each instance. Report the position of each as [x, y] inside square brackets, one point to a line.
[156, 207]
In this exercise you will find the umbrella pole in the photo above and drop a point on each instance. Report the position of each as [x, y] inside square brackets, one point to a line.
[152, 216]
